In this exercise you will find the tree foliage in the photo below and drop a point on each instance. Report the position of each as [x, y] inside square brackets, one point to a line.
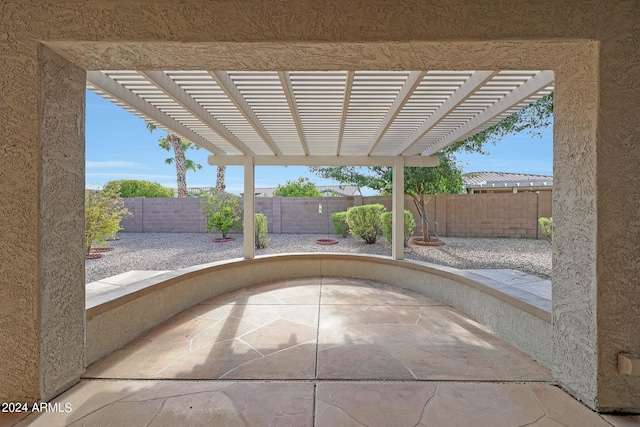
[532, 119]
[300, 188]
[129, 188]
[103, 212]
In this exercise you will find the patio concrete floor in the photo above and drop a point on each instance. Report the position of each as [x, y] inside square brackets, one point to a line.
[323, 352]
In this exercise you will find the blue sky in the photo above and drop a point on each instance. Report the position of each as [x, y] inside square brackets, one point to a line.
[118, 146]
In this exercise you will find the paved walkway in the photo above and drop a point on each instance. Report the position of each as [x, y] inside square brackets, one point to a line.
[323, 352]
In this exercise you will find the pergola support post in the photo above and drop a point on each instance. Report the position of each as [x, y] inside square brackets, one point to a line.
[249, 204]
[397, 241]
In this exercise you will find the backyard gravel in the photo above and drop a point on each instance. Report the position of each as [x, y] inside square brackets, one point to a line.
[170, 251]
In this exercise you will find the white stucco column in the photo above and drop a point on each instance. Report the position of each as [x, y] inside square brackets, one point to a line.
[249, 204]
[397, 244]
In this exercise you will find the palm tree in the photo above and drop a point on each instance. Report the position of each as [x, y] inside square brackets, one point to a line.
[220, 179]
[180, 147]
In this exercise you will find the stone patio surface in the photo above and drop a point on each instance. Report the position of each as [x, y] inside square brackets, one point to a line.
[323, 352]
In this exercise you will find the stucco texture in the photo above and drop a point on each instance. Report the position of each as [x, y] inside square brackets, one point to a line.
[592, 46]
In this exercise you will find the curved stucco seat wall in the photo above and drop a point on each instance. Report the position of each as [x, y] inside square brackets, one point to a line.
[116, 317]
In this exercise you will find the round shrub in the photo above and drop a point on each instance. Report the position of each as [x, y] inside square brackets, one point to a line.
[364, 221]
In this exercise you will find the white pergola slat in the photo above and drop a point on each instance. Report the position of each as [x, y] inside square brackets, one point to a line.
[323, 118]
[330, 114]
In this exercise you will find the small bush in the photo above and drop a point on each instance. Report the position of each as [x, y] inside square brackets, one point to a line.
[129, 188]
[387, 225]
[222, 211]
[340, 226]
[546, 225]
[102, 215]
[364, 221]
[261, 230]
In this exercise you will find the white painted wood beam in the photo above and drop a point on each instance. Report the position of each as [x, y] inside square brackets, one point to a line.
[516, 96]
[397, 228]
[106, 84]
[345, 108]
[285, 80]
[468, 88]
[179, 95]
[233, 93]
[410, 85]
[414, 161]
[248, 224]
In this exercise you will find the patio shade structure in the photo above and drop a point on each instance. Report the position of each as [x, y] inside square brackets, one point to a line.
[324, 118]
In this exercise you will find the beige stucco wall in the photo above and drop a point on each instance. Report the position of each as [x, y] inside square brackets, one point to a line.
[592, 46]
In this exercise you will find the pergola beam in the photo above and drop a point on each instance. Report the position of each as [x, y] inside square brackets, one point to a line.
[468, 88]
[285, 80]
[233, 93]
[410, 85]
[106, 84]
[345, 108]
[516, 96]
[412, 161]
[179, 95]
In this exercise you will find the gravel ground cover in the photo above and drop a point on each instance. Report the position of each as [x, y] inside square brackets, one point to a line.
[170, 251]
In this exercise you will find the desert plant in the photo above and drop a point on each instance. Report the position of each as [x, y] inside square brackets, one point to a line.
[129, 188]
[546, 225]
[387, 225]
[340, 226]
[261, 230]
[364, 221]
[103, 212]
[222, 211]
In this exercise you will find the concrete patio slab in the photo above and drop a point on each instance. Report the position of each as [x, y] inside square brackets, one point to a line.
[323, 352]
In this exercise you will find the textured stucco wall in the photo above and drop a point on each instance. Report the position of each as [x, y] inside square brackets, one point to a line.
[61, 224]
[41, 223]
[592, 46]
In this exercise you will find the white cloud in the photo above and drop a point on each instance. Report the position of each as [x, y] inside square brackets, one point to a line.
[117, 175]
[112, 164]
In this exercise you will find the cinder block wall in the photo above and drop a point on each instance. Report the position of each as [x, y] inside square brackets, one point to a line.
[453, 215]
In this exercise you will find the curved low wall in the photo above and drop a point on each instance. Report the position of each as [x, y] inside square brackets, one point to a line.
[116, 317]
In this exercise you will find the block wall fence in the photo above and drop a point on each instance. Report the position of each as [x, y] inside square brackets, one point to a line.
[455, 215]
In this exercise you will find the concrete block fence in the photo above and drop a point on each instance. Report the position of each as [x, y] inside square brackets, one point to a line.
[454, 215]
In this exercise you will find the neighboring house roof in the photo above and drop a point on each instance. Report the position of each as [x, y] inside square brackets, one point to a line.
[338, 190]
[505, 179]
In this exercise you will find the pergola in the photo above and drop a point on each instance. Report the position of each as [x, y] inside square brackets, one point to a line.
[323, 118]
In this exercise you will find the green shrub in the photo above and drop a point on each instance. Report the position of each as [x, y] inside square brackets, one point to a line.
[340, 226]
[261, 230]
[129, 188]
[103, 212]
[222, 211]
[364, 221]
[387, 225]
[546, 225]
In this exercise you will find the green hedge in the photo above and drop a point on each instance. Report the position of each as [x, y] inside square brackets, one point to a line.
[129, 188]
[387, 225]
[364, 221]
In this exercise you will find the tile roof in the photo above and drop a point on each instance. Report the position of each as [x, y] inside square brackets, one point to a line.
[505, 179]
